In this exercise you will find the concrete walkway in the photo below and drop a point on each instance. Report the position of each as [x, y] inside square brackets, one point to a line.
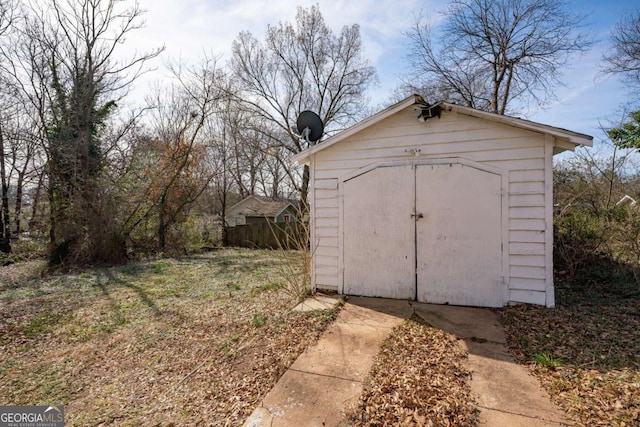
[328, 377]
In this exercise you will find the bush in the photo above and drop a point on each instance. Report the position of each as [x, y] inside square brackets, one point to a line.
[578, 235]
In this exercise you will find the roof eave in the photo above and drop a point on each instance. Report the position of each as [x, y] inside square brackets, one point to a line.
[572, 137]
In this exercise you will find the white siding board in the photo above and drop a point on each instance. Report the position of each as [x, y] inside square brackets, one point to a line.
[526, 187]
[463, 128]
[526, 212]
[326, 241]
[326, 184]
[326, 261]
[527, 200]
[326, 280]
[323, 193]
[326, 212]
[442, 148]
[326, 222]
[322, 232]
[528, 297]
[327, 251]
[519, 283]
[327, 203]
[328, 173]
[528, 260]
[344, 169]
[526, 248]
[527, 175]
[325, 269]
[523, 272]
[467, 149]
[526, 236]
[527, 224]
[523, 164]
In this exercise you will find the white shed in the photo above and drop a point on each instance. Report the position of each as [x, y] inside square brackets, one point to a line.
[441, 204]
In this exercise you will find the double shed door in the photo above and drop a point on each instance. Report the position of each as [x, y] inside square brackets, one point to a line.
[427, 232]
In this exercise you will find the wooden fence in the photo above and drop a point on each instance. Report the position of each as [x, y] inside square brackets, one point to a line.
[287, 235]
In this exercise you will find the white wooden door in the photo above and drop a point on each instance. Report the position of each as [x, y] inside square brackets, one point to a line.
[378, 233]
[459, 236]
[426, 232]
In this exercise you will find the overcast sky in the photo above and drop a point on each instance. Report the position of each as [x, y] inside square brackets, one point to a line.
[190, 27]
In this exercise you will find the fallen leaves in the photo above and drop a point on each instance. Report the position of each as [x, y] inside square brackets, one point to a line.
[418, 379]
[152, 344]
[594, 339]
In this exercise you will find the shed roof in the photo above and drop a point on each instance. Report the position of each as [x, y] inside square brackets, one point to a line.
[260, 206]
[566, 139]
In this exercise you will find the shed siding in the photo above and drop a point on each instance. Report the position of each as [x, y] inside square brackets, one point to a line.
[520, 153]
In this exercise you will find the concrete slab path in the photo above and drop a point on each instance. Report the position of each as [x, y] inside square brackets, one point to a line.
[507, 394]
[328, 377]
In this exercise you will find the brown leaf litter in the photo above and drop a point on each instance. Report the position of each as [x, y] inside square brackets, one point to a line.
[418, 379]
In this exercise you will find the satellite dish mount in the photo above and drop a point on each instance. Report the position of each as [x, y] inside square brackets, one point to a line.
[310, 127]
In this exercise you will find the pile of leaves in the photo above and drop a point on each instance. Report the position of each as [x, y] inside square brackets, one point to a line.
[191, 341]
[586, 351]
[418, 379]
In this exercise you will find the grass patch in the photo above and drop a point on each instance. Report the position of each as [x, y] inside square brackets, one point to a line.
[258, 320]
[546, 360]
[41, 323]
[168, 338]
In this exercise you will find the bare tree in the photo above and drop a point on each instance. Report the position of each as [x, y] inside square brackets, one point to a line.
[488, 54]
[5, 223]
[297, 68]
[624, 58]
[79, 81]
[8, 15]
[170, 168]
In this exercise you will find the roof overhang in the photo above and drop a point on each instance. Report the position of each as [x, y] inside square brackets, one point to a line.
[565, 139]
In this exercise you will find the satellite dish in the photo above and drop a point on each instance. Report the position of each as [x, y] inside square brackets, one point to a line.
[310, 126]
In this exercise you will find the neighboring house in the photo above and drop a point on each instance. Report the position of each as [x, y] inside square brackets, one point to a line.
[260, 209]
[441, 204]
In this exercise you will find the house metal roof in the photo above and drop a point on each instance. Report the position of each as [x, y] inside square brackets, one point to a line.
[566, 139]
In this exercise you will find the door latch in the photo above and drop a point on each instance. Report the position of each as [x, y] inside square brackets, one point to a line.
[418, 216]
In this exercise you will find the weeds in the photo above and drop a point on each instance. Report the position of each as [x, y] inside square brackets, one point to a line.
[546, 360]
[258, 320]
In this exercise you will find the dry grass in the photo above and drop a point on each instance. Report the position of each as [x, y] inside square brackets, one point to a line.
[418, 379]
[586, 351]
[192, 341]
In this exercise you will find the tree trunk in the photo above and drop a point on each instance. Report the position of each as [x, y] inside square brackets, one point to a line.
[33, 222]
[223, 209]
[52, 209]
[18, 207]
[304, 190]
[5, 224]
[162, 229]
